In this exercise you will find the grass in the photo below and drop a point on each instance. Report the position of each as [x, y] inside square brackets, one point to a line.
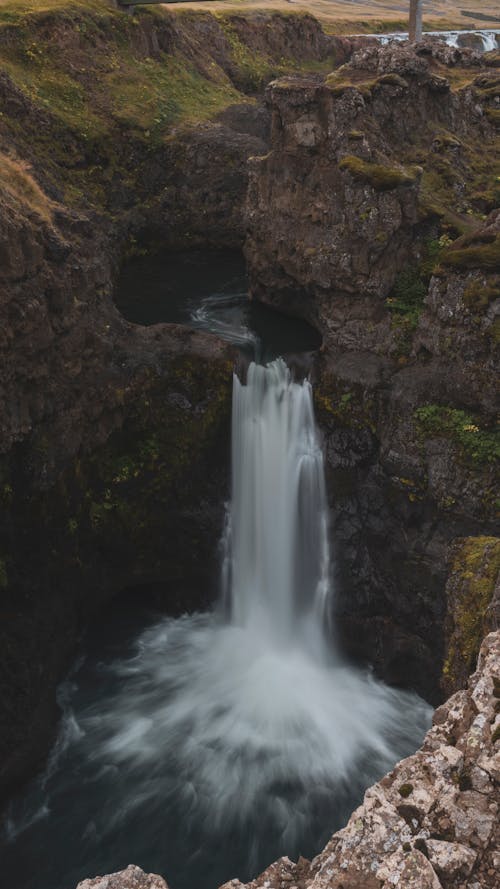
[16, 180]
[479, 250]
[151, 95]
[143, 93]
[405, 304]
[478, 296]
[16, 11]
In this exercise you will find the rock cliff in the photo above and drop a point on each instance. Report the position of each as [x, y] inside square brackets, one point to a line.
[360, 163]
[373, 216]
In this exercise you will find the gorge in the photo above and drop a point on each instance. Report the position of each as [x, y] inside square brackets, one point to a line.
[362, 187]
[244, 722]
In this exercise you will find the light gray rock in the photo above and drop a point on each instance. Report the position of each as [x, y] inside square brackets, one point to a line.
[130, 878]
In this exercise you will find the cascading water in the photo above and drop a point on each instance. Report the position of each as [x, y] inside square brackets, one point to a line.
[227, 739]
[484, 40]
[276, 561]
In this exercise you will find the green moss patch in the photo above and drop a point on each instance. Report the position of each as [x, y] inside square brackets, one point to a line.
[391, 79]
[353, 408]
[473, 576]
[151, 95]
[478, 250]
[478, 295]
[476, 444]
[379, 176]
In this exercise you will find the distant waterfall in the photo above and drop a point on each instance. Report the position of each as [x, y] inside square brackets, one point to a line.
[276, 561]
[487, 40]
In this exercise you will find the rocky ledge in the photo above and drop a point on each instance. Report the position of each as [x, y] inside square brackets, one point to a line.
[431, 823]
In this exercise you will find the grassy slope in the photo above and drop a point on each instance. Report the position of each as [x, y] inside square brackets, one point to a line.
[346, 16]
[105, 95]
[106, 92]
[338, 16]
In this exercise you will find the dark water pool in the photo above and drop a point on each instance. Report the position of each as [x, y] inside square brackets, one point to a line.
[125, 783]
[208, 289]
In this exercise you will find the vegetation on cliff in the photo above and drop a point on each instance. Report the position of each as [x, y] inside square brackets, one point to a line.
[107, 88]
[479, 250]
[475, 443]
[473, 607]
[381, 177]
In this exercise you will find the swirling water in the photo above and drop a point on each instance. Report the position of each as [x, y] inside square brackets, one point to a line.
[220, 741]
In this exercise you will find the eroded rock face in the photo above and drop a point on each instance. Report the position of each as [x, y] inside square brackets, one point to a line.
[335, 209]
[345, 205]
[103, 424]
[314, 229]
[405, 479]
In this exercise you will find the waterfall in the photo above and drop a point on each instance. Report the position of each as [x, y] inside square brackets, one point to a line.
[225, 740]
[488, 40]
[276, 561]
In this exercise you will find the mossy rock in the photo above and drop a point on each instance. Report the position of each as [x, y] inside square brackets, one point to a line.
[338, 86]
[352, 408]
[476, 445]
[472, 610]
[478, 295]
[380, 177]
[494, 331]
[477, 251]
[391, 79]
[494, 115]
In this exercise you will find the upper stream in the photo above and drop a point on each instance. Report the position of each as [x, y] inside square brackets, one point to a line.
[204, 747]
[481, 39]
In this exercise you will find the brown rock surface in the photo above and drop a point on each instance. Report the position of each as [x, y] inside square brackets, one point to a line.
[371, 176]
[335, 209]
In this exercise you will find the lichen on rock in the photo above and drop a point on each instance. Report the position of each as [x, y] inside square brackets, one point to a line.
[473, 605]
[130, 878]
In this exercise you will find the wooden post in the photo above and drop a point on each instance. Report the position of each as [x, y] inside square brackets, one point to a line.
[415, 31]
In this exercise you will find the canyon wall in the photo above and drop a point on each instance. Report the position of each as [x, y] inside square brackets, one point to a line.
[117, 134]
[373, 216]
